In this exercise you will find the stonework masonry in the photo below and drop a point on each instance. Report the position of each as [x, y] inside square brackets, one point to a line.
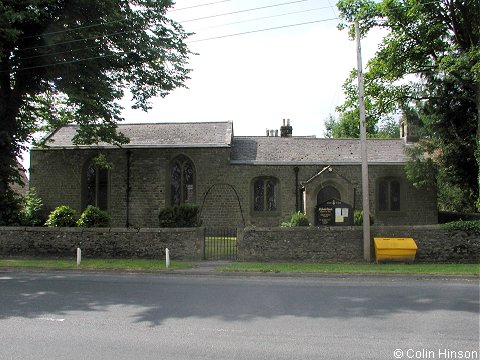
[184, 244]
[345, 244]
[223, 190]
[327, 245]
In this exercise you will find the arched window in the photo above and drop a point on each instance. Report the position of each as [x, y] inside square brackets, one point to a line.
[182, 181]
[96, 189]
[389, 195]
[265, 194]
[327, 193]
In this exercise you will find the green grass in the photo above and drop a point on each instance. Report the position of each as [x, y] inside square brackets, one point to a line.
[440, 269]
[219, 247]
[159, 265]
[98, 264]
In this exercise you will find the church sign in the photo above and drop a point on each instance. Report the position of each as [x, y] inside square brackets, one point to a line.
[334, 212]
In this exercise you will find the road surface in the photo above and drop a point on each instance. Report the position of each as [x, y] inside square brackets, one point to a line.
[123, 316]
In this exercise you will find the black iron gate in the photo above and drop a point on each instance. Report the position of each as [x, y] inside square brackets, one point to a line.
[220, 244]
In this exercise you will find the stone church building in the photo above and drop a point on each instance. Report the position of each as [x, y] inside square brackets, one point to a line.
[236, 180]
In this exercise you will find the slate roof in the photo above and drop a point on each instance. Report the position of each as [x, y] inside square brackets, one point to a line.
[200, 134]
[302, 151]
[247, 150]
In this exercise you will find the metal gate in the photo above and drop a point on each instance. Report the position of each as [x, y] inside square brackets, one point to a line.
[220, 244]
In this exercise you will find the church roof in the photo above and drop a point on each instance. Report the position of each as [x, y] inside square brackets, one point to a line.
[264, 150]
[301, 151]
[199, 134]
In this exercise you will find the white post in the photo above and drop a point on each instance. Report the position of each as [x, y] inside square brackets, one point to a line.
[79, 256]
[167, 258]
[363, 145]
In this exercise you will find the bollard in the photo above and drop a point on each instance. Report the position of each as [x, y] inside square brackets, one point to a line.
[167, 258]
[79, 256]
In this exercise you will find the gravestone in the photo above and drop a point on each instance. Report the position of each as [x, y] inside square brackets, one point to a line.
[334, 212]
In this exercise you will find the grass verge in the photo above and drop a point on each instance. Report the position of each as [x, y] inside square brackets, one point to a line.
[429, 269]
[98, 264]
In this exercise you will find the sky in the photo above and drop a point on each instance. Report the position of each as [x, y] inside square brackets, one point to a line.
[259, 78]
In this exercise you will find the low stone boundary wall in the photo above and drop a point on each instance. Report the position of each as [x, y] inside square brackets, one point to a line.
[344, 244]
[301, 244]
[184, 244]
[435, 243]
[311, 244]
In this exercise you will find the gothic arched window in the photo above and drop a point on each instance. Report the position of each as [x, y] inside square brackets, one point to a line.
[389, 195]
[265, 194]
[96, 186]
[182, 181]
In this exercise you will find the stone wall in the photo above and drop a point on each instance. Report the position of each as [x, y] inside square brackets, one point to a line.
[224, 189]
[309, 244]
[301, 244]
[345, 244]
[435, 243]
[184, 244]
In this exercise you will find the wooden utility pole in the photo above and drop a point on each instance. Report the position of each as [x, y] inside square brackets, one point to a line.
[363, 146]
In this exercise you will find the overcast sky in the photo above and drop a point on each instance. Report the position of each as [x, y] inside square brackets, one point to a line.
[259, 78]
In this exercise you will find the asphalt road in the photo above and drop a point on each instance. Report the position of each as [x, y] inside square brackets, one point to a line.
[114, 316]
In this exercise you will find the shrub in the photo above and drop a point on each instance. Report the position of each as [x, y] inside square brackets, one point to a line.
[62, 216]
[472, 226]
[180, 216]
[358, 218]
[93, 217]
[298, 219]
[10, 209]
[30, 213]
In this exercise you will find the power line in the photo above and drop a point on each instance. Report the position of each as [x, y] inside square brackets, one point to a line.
[77, 40]
[192, 41]
[263, 18]
[123, 32]
[261, 30]
[196, 6]
[333, 9]
[127, 31]
[132, 52]
[232, 23]
[72, 61]
[68, 30]
[113, 22]
[242, 11]
[209, 27]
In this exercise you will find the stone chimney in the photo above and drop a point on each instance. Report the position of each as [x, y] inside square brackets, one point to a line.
[409, 128]
[286, 130]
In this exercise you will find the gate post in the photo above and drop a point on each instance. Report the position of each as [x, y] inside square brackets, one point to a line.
[200, 249]
[240, 233]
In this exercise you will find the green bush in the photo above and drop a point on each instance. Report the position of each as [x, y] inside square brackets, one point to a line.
[180, 216]
[93, 217]
[298, 219]
[358, 218]
[62, 216]
[31, 211]
[472, 226]
[10, 209]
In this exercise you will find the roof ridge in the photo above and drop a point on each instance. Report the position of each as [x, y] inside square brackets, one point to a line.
[177, 123]
[310, 138]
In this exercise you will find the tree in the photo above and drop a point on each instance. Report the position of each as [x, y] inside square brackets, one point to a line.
[72, 60]
[348, 126]
[429, 61]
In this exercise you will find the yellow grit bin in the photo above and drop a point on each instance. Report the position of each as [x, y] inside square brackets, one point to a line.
[395, 249]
